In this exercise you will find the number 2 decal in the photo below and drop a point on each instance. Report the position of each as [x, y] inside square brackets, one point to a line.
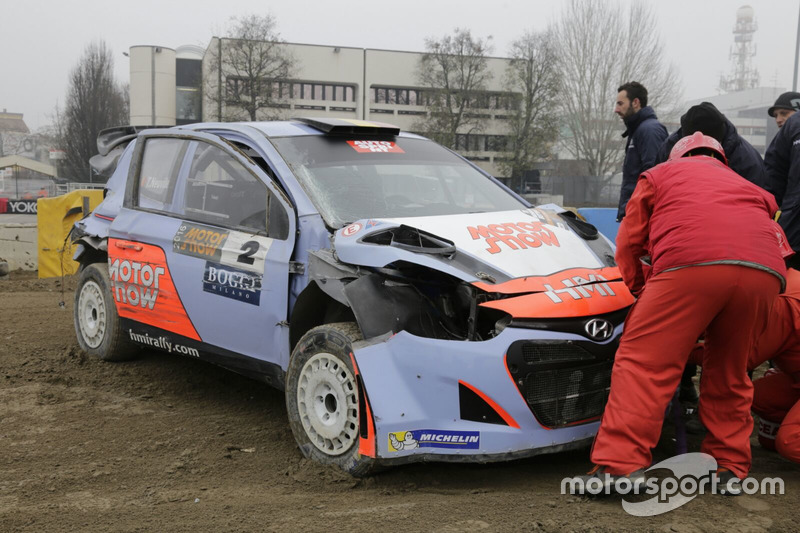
[249, 248]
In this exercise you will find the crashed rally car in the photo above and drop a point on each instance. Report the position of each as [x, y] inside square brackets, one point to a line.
[410, 305]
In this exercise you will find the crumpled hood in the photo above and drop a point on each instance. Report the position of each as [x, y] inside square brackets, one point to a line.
[505, 244]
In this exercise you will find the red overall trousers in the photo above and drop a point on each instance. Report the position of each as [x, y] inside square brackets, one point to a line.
[776, 396]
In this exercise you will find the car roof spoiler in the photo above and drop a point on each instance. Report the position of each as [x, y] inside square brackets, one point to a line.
[110, 138]
[341, 126]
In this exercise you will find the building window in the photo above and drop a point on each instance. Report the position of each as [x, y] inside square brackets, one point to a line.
[295, 90]
[418, 97]
[468, 142]
[188, 72]
[187, 105]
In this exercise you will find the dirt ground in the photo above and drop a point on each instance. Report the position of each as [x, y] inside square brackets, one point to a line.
[166, 443]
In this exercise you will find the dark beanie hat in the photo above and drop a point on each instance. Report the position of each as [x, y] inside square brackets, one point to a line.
[704, 118]
[790, 101]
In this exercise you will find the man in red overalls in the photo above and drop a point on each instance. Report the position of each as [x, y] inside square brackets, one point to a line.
[699, 248]
[776, 396]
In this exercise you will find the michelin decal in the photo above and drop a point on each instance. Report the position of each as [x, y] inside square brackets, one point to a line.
[433, 438]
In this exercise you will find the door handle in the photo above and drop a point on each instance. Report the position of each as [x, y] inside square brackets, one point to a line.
[128, 246]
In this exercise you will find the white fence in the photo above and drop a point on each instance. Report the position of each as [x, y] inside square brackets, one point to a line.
[64, 188]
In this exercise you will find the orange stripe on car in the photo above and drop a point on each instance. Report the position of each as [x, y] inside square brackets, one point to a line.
[366, 445]
[493, 404]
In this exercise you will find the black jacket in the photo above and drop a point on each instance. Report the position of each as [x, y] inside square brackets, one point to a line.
[645, 134]
[783, 177]
[742, 157]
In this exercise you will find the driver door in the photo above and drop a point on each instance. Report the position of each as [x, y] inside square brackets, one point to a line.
[226, 233]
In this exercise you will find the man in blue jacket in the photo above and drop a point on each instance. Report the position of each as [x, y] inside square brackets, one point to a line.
[706, 118]
[645, 134]
[783, 180]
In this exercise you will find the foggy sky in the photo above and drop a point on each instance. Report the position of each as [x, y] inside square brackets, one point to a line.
[40, 41]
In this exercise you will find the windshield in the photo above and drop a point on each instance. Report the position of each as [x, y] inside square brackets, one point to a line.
[350, 179]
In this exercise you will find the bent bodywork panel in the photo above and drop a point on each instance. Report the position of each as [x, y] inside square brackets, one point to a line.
[527, 242]
[413, 386]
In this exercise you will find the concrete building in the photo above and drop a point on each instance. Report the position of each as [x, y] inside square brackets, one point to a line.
[332, 81]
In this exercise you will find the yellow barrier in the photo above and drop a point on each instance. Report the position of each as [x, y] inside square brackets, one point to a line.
[55, 217]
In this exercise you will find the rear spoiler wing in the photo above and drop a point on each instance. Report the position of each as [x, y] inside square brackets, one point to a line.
[110, 138]
[110, 145]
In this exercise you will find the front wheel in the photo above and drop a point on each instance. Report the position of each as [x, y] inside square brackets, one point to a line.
[96, 321]
[322, 398]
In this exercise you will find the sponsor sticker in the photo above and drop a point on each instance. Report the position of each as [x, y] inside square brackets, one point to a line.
[163, 342]
[433, 438]
[142, 287]
[134, 283]
[199, 241]
[366, 147]
[22, 207]
[233, 248]
[578, 287]
[157, 184]
[514, 236]
[233, 283]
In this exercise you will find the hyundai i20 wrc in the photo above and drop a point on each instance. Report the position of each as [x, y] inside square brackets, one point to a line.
[409, 304]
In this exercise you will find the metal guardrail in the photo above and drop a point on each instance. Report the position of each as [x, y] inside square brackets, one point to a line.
[64, 188]
[576, 191]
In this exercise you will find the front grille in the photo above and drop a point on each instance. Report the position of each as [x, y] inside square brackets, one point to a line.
[550, 353]
[564, 396]
[563, 381]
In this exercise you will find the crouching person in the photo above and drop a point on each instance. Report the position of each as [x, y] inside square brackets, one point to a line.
[699, 248]
[776, 396]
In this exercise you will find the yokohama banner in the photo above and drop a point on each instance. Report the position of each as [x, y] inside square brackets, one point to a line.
[18, 207]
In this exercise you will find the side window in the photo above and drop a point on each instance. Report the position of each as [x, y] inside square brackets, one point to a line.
[219, 190]
[160, 165]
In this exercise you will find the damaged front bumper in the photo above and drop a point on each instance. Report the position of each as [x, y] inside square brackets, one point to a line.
[521, 393]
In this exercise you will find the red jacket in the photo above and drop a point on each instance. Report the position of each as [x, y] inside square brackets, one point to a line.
[695, 211]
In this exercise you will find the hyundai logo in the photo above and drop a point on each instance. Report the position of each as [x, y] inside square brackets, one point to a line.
[599, 329]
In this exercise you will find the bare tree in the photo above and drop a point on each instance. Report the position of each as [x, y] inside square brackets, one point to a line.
[455, 71]
[600, 49]
[532, 76]
[250, 62]
[94, 102]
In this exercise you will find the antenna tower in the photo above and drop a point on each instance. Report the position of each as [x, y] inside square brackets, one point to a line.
[743, 75]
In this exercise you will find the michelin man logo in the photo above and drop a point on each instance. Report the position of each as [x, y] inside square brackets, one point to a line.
[402, 440]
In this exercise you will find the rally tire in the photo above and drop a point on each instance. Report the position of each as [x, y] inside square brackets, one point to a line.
[322, 398]
[97, 324]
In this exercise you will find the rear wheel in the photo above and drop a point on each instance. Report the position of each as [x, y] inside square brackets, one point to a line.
[96, 320]
[322, 398]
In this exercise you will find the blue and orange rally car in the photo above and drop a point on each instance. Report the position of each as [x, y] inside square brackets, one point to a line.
[410, 305]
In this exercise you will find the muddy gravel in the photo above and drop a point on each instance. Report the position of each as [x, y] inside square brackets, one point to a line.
[165, 443]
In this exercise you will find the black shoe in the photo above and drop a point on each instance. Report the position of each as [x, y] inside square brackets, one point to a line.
[600, 483]
[727, 483]
[692, 422]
